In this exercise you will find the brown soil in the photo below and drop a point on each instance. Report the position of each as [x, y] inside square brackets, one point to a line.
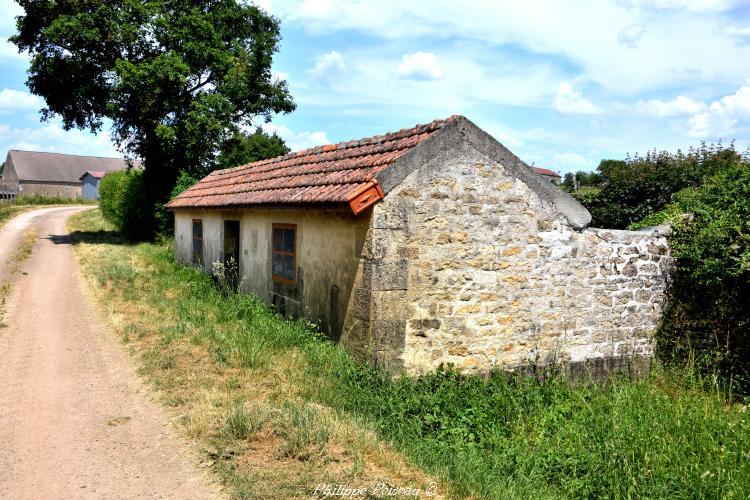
[75, 420]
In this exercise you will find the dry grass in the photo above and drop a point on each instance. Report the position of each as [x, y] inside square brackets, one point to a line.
[26, 245]
[255, 426]
[21, 254]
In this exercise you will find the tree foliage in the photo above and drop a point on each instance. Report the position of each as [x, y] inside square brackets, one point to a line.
[573, 181]
[707, 318]
[242, 148]
[123, 202]
[641, 185]
[709, 315]
[175, 79]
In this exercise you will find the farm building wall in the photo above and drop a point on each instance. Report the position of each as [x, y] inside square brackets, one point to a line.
[9, 179]
[61, 189]
[465, 263]
[328, 248]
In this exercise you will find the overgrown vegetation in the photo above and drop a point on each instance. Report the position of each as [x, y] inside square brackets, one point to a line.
[123, 202]
[641, 185]
[707, 317]
[705, 196]
[279, 408]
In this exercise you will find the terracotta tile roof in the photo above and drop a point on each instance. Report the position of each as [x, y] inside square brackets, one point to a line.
[325, 174]
[544, 171]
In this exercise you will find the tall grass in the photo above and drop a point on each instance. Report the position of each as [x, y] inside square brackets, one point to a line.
[40, 199]
[672, 434]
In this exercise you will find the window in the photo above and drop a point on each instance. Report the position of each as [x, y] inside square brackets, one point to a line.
[197, 241]
[283, 253]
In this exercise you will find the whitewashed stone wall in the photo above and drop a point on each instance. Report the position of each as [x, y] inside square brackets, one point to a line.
[465, 264]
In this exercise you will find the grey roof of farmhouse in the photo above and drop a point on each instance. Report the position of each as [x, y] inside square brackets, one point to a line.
[57, 167]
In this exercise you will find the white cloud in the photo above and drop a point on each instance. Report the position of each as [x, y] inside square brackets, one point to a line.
[328, 67]
[420, 66]
[694, 5]
[681, 44]
[570, 161]
[297, 141]
[52, 137]
[739, 31]
[630, 35]
[680, 105]
[570, 102]
[724, 116]
[279, 75]
[16, 100]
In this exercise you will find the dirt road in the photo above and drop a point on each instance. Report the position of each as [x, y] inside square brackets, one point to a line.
[75, 421]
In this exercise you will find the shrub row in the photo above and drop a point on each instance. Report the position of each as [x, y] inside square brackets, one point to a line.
[124, 203]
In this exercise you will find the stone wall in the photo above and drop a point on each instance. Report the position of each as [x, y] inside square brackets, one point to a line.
[466, 264]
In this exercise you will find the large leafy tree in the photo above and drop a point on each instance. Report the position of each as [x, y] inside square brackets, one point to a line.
[176, 79]
[244, 148]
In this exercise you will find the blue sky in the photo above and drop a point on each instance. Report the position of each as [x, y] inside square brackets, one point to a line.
[562, 84]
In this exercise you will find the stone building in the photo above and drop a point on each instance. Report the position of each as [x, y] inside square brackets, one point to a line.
[52, 174]
[548, 174]
[430, 245]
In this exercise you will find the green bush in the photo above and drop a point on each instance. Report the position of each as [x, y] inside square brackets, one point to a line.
[708, 317]
[635, 188]
[124, 202]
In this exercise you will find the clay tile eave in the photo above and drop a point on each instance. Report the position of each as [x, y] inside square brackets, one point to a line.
[322, 174]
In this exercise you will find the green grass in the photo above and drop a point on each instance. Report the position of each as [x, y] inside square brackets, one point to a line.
[38, 199]
[7, 212]
[669, 435]
[24, 203]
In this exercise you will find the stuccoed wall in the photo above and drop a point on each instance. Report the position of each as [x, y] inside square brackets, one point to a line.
[329, 245]
[466, 264]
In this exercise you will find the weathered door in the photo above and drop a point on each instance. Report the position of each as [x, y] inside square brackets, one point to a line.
[232, 253]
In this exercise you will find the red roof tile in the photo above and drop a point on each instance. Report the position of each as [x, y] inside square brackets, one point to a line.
[325, 174]
[544, 171]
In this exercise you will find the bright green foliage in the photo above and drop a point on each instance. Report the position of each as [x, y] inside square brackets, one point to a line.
[123, 202]
[642, 185]
[573, 181]
[184, 181]
[708, 317]
[672, 214]
[175, 79]
[241, 148]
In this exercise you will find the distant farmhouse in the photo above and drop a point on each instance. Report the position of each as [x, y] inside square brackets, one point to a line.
[430, 245]
[54, 174]
[548, 174]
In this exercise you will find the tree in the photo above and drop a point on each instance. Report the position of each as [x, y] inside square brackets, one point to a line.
[246, 148]
[639, 186]
[176, 79]
[707, 319]
[569, 182]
